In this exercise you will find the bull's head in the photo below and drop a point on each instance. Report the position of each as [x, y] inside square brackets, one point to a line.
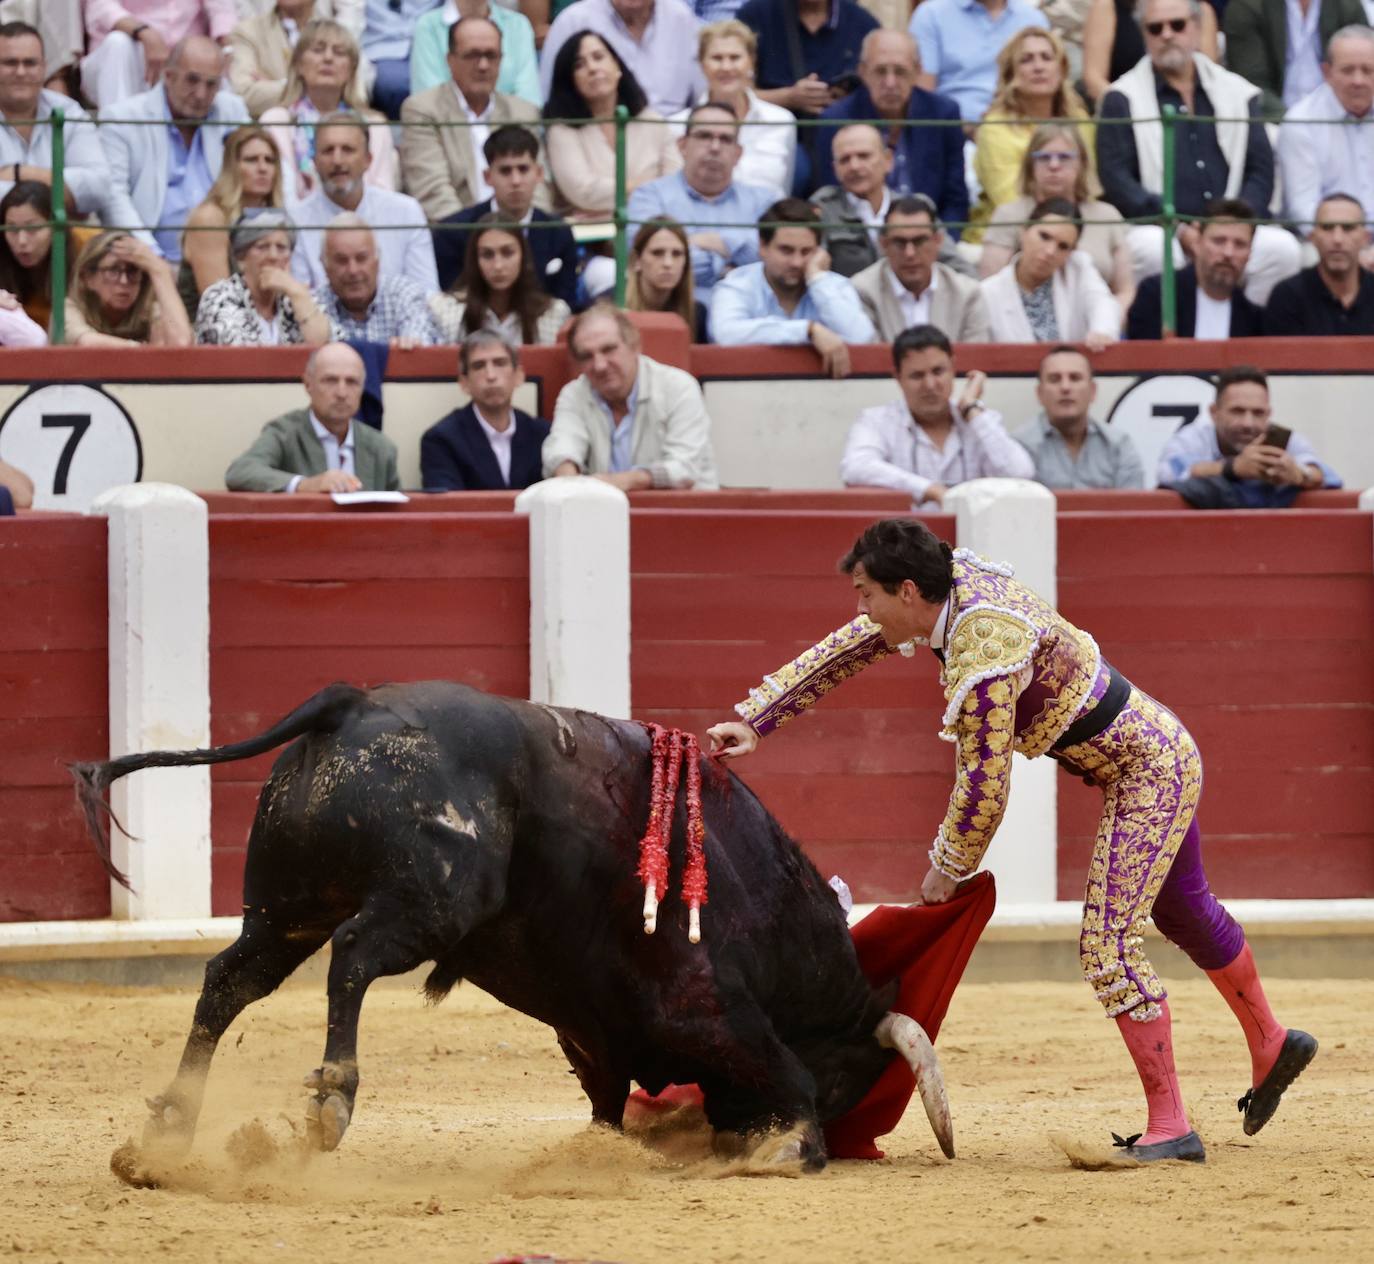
[907, 1037]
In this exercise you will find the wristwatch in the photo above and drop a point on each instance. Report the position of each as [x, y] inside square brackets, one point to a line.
[973, 405]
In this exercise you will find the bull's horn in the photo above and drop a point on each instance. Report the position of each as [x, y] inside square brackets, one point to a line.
[907, 1037]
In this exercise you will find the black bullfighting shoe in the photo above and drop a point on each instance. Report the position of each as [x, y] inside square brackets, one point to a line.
[1259, 1103]
[1187, 1149]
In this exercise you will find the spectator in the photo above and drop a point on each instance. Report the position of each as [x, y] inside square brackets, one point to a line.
[853, 211]
[1320, 152]
[260, 49]
[1232, 459]
[1278, 48]
[261, 304]
[17, 486]
[162, 170]
[433, 46]
[927, 160]
[1210, 302]
[706, 199]
[1070, 447]
[922, 444]
[514, 174]
[959, 42]
[627, 419]
[728, 54]
[132, 43]
[341, 160]
[362, 304]
[124, 296]
[589, 81]
[1058, 165]
[17, 327]
[498, 291]
[1113, 42]
[1337, 295]
[909, 286]
[790, 297]
[1032, 84]
[26, 136]
[659, 279]
[808, 50]
[387, 33]
[62, 28]
[442, 160]
[1211, 160]
[249, 179]
[320, 448]
[321, 83]
[488, 444]
[26, 248]
[650, 39]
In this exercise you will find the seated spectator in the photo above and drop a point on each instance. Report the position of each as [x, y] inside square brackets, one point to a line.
[1212, 160]
[342, 161]
[728, 54]
[260, 48]
[321, 448]
[959, 42]
[132, 43]
[808, 50]
[124, 296]
[853, 211]
[1113, 42]
[589, 81]
[159, 173]
[62, 27]
[433, 45]
[790, 297]
[927, 160]
[650, 39]
[706, 198]
[16, 487]
[17, 327]
[388, 31]
[1337, 295]
[922, 444]
[1230, 460]
[442, 162]
[362, 304]
[515, 176]
[1058, 165]
[488, 444]
[26, 248]
[1050, 291]
[1070, 447]
[262, 304]
[320, 84]
[659, 279]
[249, 179]
[1320, 151]
[909, 286]
[1032, 84]
[1209, 300]
[1279, 49]
[26, 136]
[627, 419]
[498, 291]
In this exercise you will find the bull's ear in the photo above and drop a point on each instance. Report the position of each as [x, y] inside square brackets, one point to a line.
[403, 711]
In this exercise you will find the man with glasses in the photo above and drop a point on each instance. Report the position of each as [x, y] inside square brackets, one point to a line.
[909, 285]
[131, 41]
[442, 162]
[1228, 159]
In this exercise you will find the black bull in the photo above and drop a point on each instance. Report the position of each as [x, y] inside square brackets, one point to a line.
[498, 839]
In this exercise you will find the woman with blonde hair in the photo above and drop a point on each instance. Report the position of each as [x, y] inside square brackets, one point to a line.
[660, 274]
[320, 82]
[125, 295]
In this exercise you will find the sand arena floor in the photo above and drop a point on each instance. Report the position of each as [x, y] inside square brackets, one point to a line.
[470, 1142]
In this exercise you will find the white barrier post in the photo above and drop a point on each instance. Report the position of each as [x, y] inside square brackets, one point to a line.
[1012, 520]
[579, 594]
[159, 695]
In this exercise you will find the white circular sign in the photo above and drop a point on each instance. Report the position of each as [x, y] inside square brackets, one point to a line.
[73, 441]
[1153, 408]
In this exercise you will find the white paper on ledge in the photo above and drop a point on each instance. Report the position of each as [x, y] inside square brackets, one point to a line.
[350, 500]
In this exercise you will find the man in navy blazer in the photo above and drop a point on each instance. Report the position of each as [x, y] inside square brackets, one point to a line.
[488, 445]
[927, 160]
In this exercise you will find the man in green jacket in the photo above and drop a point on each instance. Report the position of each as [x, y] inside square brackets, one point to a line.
[1257, 45]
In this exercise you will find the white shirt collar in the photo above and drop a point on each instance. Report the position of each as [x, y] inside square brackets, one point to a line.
[937, 633]
[864, 209]
[491, 431]
[900, 291]
[324, 435]
[471, 114]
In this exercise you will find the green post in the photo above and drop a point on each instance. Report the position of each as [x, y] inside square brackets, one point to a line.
[58, 254]
[1168, 293]
[622, 244]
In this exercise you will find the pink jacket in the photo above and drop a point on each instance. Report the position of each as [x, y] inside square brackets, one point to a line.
[172, 19]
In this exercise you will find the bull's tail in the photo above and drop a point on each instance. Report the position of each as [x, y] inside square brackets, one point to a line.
[321, 714]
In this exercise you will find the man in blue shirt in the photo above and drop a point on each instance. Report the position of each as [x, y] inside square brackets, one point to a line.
[705, 199]
[808, 49]
[959, 42]
[790, 297]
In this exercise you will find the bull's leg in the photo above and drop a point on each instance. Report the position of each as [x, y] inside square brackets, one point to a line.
[604, 1079]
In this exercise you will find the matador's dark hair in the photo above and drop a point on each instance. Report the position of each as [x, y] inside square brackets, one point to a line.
[896, 549]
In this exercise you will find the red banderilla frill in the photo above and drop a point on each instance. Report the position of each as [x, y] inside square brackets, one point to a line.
[670, 749]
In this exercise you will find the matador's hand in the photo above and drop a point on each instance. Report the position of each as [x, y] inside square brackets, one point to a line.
[937, 887]
[732, 739]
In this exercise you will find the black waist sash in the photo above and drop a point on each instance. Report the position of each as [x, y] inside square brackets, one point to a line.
[1092, 723]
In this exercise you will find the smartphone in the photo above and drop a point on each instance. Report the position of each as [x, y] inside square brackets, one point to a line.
[1277, 436]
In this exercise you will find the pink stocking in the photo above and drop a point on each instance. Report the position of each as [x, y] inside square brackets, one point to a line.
[1239, 984]
[1151, 1047]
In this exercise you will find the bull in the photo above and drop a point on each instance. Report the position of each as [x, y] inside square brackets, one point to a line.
[496, 839]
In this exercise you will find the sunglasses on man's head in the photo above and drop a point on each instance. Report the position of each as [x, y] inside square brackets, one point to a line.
[1176, 25]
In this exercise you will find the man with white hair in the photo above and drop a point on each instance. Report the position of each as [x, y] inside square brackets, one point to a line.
[1230, 158]
[366, 306]
[1279, 47]
[131, 41]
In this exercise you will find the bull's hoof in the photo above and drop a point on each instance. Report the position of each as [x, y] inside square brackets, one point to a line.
[797, 1150]
[169, 1127]
[326, 1120]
